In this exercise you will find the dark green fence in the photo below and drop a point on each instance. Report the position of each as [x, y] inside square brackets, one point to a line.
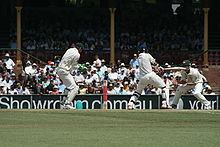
[96, 101]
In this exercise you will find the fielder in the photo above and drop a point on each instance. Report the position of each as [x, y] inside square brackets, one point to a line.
[147, 76]
[191, 79]
[68, 63]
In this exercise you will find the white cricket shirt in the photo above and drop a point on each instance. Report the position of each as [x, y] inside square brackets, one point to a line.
[70, 59]
[144, 61]
[193, 76]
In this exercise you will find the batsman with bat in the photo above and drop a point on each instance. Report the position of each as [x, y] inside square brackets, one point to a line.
[148, 76]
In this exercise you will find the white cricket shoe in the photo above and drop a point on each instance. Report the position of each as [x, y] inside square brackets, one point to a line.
[131, 105]
[68, 106]
[165, 106]
[207, 107]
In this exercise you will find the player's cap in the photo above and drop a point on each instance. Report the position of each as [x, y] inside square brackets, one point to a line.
[51, 62]
[80, 45]
[2, 85]
[110, 85]
[103, 60]
[87, 63]
[13, 74]
[121, 86]
[55, 87]
[7, 55]
[186, 63]
[135, 55]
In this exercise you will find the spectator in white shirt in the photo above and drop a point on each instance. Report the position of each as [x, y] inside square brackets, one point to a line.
[113, 75]
[79, 78]
[117, 86]
[111, 89]
[123, 68]
[2, 89]
[98, 61]
[95, 76]
[121, 75]
[25, 91]
[88, 79]
[12, 90]
[130, 91]
[7, 83]
[9, 62]
[103, 67]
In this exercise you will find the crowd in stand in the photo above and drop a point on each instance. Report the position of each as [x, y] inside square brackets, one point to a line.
[135, 29]
[121, 78]
[152, 30]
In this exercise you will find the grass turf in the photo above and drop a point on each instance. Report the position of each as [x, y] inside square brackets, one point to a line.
[109, 128]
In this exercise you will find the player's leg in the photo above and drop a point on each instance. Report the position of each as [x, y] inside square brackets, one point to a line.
[180, 90]
[137, 93]
[200, 97]
[71, 89]
[159, 83]
[62, 102]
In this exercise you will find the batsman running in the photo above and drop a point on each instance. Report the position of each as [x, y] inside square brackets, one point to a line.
[68, 63]
[148, 76]
[191, 79]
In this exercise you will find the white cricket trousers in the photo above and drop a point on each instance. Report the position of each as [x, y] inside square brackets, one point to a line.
[69, 82]
[197, 93]
[152, 79]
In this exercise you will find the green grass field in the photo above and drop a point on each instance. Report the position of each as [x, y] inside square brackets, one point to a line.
[109, 128]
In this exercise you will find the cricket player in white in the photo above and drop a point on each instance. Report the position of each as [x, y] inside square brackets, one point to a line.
[191, 79]
[147, 76]
[68, 63]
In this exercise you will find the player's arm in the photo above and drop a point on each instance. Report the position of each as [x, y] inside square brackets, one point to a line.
[157, 67]
[76, 64]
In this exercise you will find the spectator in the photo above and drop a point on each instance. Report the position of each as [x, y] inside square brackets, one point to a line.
[121, 90]
[61, 86]
[25, 91]
[2, 89]
[117, 86]
[90, 89]
[79, 78]
[9, 63]
[134, 62]
[113, 76]
[111, 89]
[82, 88]
[7, 83]
[50, 87]
[19, 88]
[130, 91]
[98, 61]
[103, 66]
[12, 90]
[55, 90]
